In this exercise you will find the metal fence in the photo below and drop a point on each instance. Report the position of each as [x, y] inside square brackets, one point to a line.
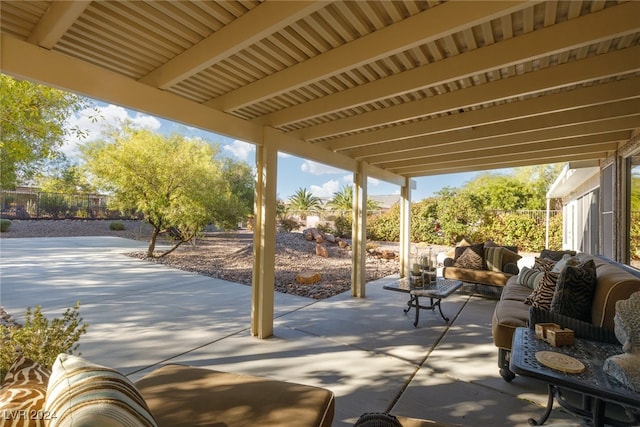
[45, 205]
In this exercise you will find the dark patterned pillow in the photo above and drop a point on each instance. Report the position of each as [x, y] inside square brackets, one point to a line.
[543, 264]
[542, 296]
[472, 257]
[555, 255]
[574, 291]
[23, 393]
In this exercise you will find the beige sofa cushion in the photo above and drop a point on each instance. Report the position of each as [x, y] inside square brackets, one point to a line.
[184, 396]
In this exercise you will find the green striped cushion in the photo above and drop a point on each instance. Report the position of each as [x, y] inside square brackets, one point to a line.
[83, 394]
[530, 277]
[493, 258]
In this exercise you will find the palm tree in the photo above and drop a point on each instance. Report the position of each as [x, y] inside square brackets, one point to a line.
[343, 200]
[304, 202]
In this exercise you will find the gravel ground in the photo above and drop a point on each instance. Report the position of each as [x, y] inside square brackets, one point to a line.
[229, 256]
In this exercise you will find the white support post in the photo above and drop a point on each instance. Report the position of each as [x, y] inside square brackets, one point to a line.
[264, 238]
[405, 226]
[359, 232]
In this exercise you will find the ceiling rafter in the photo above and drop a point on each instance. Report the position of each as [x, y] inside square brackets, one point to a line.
[497, 141]
[609, 24]
[56, 22]
[561, 101]
[251, 27]
[408, 87]
[572, 73]
[583, 144]
[430, 25]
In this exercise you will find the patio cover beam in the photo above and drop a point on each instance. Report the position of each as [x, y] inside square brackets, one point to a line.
[483, 137]
[562, 101]
[507, 162]
[22, 60]
[581, 144]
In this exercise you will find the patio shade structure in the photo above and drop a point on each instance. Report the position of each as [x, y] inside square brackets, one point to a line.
[386, 89]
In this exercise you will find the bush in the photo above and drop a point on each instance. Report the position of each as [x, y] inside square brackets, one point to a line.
[343, 225]
[116, 226]
[4, 225]
[40, 339]
[289, 224]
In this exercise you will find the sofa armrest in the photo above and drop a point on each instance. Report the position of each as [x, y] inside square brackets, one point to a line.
[448, 262]
[580, 328]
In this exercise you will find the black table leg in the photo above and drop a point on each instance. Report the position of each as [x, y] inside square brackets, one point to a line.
[547, 412]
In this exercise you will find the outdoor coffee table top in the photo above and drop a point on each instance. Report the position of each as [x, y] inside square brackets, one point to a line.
[442, 288]
[592, 381]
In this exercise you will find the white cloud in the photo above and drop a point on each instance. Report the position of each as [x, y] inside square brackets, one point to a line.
[240, 149]
[315, 168]
[325, 190]
[94, 121]
[374, 182]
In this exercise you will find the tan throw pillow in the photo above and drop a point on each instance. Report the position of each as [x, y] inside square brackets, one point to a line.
[81, 393]
[462, 243]
[509, 257]
[23, 393]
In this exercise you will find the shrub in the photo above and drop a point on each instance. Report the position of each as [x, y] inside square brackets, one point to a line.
[289, 224]
[344, 226]
[41, 339]
[4, 225]
[116, 226]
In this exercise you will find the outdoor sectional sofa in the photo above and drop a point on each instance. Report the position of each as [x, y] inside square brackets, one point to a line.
[482, 263]
[79, 393]
[613, 283]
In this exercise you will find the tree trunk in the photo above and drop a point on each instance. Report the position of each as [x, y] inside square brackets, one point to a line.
[152, 242]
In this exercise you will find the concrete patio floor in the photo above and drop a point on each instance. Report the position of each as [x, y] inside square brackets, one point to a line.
[142, 315]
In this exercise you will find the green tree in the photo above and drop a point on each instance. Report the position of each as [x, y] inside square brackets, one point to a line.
[177, 184]
[65, 178]
[239, 176]
[304, 202]
[32, 127]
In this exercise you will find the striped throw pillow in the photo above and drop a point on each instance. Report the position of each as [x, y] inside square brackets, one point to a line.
[23, 393]
[530, 277]
[542, 296]
[493, 258]
[83, 394]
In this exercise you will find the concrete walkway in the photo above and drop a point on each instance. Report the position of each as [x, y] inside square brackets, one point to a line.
[366, 351]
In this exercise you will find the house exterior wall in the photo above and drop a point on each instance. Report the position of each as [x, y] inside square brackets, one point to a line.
[596, 210]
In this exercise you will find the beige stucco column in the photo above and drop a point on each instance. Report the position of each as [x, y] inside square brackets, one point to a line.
[264, 242]
[359, 232]
[405, 226]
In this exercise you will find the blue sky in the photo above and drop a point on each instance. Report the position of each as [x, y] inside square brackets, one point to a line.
[293, 172]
